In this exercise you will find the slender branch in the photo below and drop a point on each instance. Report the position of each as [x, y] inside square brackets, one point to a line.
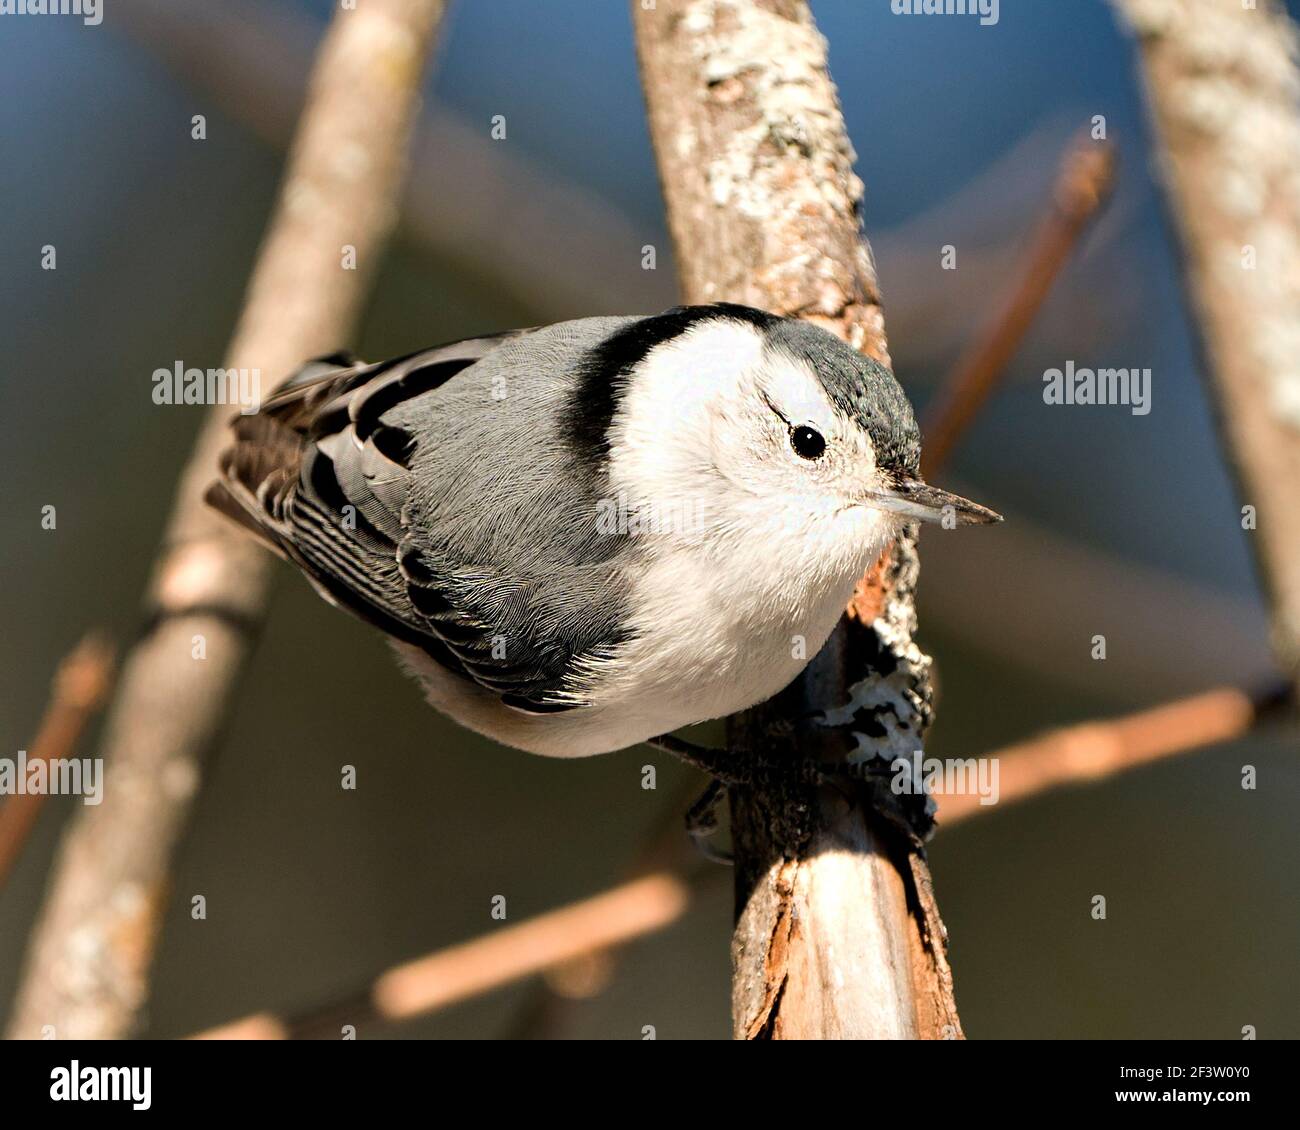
[548, 941]
[88, 962]
[1223, 85]
[1094, 750]
[80, 686]
[665, 848]
[762, 202]
[1082, 186]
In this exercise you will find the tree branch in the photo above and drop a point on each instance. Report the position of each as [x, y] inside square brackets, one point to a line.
[630, 910]
[1090, 751]
[80, 685]
[87, 969]
[837, 934]
[1082, 186]
[582, 936]
[1223, 86]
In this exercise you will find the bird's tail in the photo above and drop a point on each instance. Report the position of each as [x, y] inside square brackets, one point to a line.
[259, 468]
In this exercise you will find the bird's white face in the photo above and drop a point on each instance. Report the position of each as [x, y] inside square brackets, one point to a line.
[743, 441]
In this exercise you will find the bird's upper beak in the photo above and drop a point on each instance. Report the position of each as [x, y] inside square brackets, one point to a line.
[915, 499]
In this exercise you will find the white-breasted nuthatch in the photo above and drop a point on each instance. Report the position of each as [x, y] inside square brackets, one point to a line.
[587, 535]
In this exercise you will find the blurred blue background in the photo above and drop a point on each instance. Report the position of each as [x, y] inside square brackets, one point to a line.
[1121, 525]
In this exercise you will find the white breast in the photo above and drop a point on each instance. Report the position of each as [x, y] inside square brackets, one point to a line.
[711, 639]
[708, 640]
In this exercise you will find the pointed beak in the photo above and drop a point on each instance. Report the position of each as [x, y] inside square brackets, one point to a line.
[915, 499]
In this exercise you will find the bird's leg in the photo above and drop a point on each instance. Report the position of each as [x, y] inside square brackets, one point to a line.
[911, 815]
[723, 765]
[726, 767]
[702, 821]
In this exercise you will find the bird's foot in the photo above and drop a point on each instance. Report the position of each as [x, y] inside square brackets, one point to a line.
[724, 765]
[727, 767]
[731, 768]
[702, 822]
[910, 812]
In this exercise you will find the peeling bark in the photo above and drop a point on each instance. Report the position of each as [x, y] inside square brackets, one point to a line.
[837, 932]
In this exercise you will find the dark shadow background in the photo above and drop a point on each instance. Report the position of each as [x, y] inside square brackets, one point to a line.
[1119, 525]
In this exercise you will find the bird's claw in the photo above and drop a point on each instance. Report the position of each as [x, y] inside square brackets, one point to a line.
[702, 822]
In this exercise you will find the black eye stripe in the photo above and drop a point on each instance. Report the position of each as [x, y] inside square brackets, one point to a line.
[768, 401]
[808, 443]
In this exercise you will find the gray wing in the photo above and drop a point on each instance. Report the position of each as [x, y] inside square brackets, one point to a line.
[436, 496]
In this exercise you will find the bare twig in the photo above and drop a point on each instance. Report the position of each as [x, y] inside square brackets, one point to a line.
[666, 848]
[762, 202]
[80, 685]
[548, 941]
[1223, 85]
[88, 963]
[1093, 750]
[1082, 186]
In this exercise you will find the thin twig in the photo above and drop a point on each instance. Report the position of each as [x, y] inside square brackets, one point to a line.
[1090, 751]
[88, 961]
[1082, 187]
[548, 941]
[79, 687]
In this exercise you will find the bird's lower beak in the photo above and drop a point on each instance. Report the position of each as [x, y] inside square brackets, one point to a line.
[915, 499]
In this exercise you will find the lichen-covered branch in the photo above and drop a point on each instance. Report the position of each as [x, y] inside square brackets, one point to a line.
[87, 968]
[837, 932]
[1224, 89]
[756, 166]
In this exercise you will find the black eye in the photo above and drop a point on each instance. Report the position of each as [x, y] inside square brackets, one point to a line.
[807, 443]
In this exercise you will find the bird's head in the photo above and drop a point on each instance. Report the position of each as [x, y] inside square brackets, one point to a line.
[761, 425]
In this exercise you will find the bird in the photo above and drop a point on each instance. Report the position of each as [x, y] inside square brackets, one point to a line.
[587, 535]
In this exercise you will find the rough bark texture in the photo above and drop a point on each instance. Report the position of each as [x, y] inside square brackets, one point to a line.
[837, 933]
[1224, 90]
[87, 970]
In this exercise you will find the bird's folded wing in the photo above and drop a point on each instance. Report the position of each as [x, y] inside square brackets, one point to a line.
[324, 480]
